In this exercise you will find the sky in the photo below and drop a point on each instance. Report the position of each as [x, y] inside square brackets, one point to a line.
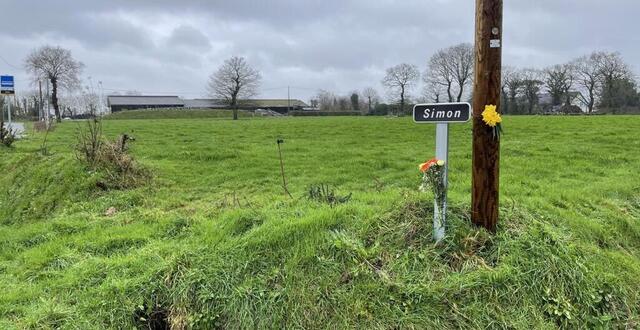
[169, 47]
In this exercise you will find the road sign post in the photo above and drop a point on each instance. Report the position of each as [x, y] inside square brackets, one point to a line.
[7, 88]
[486, 91]
[441, 114]
[442, 152]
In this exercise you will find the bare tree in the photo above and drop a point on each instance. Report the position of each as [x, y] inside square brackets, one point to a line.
[512, 81]
[462, 65]
[371, 96]
[451, 66]
[587, 77]
[344, 103]
[559, 79]
[399, 80]
[234, 81]
[531, 83]
[84, 100]
[612, 70]
[432, 90]
[439, 73]
[326, 100]
[56, 65]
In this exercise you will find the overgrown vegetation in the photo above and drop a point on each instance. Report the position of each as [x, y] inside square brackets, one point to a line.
[216, 244]
[323, 193]
[7, 136]
[90, 141]
[111, 158]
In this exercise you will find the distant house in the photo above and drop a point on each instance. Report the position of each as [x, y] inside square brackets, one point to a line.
[545, 101]
[125, 102]
[278, 105]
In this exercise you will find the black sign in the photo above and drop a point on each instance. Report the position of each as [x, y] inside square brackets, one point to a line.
[442, 113]
[7, 92]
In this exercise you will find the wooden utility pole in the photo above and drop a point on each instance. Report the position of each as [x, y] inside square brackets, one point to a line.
[486, 91]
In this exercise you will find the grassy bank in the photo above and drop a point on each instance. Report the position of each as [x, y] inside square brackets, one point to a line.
[215, 242]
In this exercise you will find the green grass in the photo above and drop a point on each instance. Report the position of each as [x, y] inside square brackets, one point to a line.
[215, 242]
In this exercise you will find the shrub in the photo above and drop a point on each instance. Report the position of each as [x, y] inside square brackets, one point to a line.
[323, 193]
[380, 109]
[111, 158]
[7, 136]
[120, 169]
[90, 141]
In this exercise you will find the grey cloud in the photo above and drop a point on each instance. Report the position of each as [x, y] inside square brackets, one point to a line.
[189, 37]
[340, 45]
[101, 31]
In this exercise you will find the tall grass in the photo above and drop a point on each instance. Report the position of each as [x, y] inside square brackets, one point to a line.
[214, 242]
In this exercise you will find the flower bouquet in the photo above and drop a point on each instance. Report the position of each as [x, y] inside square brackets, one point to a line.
[433, 178]
[492, 118]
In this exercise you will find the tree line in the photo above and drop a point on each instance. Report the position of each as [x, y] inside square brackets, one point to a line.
[359, 101]
[600, 81]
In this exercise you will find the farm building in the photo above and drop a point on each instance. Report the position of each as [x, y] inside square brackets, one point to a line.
[118, 103]
[278, 105]
[132, 102]
[204, 104]
[545, 101]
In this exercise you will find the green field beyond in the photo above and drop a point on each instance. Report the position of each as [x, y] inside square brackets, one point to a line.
[213, 241]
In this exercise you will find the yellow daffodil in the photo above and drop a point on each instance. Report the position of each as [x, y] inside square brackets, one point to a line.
[440, 162]
[490, 116]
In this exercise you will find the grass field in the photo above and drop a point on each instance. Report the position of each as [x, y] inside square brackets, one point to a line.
[213, 241]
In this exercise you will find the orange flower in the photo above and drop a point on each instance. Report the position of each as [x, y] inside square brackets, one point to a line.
[426, 165]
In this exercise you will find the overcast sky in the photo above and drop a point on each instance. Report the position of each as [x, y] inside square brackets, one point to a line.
[171, 47]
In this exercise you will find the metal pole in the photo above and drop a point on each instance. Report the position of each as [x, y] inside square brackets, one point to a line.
[288, 100]
[9, 112]
[102, 109]
[442, 153]
[24, 106]
[284, 180]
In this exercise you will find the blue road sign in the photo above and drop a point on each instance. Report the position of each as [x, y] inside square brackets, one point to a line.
[6, 81]
[6, 85]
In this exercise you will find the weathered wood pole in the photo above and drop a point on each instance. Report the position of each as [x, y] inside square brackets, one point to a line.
[486, 91]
